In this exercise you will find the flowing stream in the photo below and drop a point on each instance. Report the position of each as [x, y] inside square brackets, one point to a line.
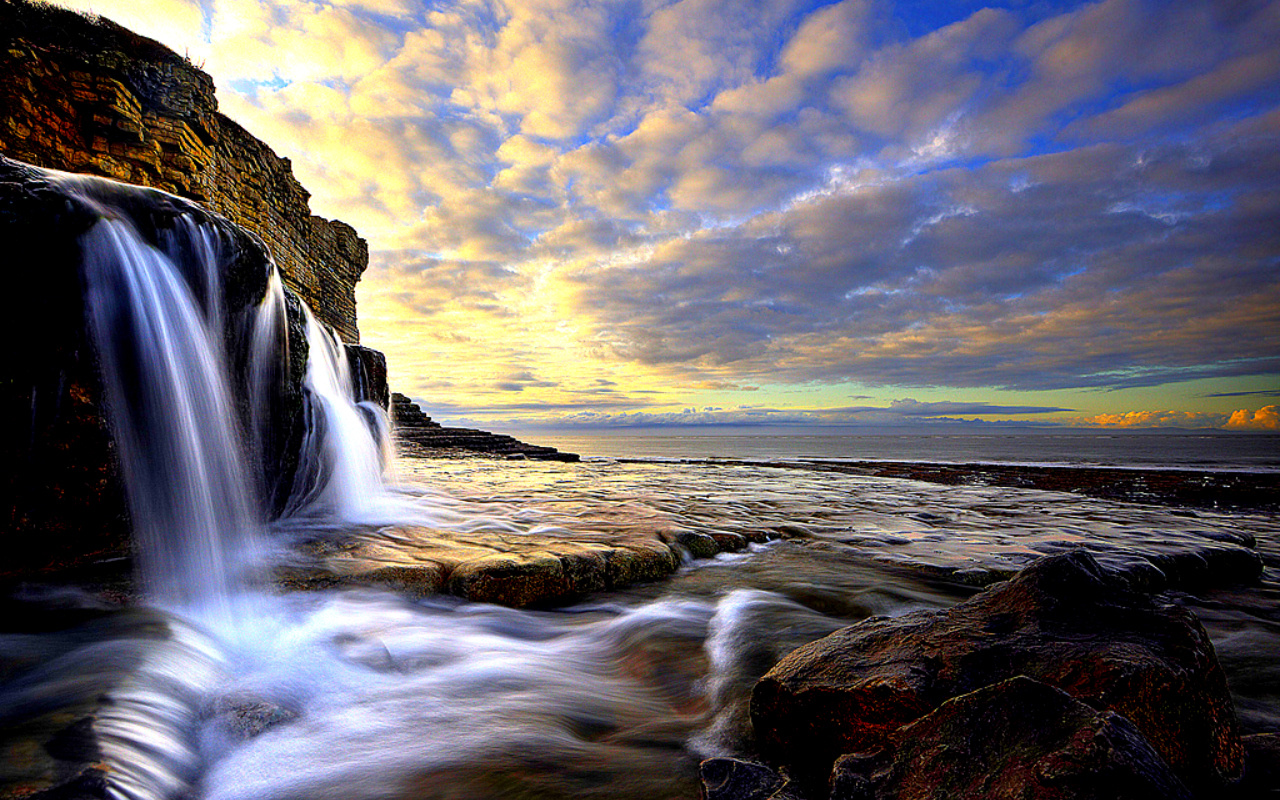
[223, 688]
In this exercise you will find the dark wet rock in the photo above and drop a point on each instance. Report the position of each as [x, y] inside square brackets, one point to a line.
[1261, 767]
[369, 375]
[733, 779]
[698, 545]
[1062, 621]
[728, 542]
[1016, 738]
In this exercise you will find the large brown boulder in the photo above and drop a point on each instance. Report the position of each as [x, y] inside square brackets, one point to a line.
[1062, 621]
[1016, 739]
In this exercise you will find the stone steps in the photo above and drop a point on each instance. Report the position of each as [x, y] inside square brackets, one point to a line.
[420, 433]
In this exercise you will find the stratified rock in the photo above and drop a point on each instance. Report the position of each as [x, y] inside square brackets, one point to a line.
[82, 94]
[418, 434]
[1062, 621]
[1016, 739]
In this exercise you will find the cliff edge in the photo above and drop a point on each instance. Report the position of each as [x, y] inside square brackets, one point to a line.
[83, 94]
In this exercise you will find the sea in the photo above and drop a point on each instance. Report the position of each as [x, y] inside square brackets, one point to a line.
[1147, 449]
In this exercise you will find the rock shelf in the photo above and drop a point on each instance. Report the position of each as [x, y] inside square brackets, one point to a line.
[512, 569]
[419, 435]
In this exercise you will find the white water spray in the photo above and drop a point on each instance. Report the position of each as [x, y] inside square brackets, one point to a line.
[341, 455]
[167, 393]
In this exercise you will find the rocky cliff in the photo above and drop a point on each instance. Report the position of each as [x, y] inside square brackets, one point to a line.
[86, 95]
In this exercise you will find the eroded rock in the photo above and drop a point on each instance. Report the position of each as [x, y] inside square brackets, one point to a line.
[1062, 621]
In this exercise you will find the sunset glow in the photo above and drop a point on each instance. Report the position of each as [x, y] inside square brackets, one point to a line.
[587, 214]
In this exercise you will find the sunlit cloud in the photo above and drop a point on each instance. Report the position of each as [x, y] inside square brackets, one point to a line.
[1264, 419]
[633, 209]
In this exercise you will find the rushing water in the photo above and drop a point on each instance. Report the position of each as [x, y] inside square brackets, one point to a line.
[168, 394]
[224, 688]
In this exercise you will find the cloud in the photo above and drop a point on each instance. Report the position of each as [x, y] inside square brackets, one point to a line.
[914, 408]
[1266, 418]
[688, 198]
[1256, 393]
[956, 278]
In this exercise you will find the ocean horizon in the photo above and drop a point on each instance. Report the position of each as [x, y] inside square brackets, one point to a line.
[1147, 449]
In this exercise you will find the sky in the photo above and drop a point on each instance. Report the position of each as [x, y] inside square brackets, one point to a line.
[597, 215]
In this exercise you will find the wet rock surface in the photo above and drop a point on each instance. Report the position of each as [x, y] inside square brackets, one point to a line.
[1017, 738]
[734, 779]
[1062, 621]
[1182, 487]
[512, 569]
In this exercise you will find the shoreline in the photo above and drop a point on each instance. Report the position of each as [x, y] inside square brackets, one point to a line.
[1200, 489]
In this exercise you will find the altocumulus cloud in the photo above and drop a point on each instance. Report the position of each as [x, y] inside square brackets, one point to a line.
[618, 201]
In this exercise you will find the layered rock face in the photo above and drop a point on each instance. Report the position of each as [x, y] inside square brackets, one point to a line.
[419, 434]
[88, 96]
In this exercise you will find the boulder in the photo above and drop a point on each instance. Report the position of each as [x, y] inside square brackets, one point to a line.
[1018, 738]
[1062, 621]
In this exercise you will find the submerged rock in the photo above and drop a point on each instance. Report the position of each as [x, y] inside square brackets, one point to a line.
[244, 716]
[1017, 738]
[1062, 621]
[733, 779]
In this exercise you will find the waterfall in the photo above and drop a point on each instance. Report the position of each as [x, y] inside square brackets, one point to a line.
[193, 392]
[166, 390]
[340, 472]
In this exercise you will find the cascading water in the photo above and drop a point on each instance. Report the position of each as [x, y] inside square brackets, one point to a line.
[196, 471]
[197, 466]
[167, 393]
[340, 473]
